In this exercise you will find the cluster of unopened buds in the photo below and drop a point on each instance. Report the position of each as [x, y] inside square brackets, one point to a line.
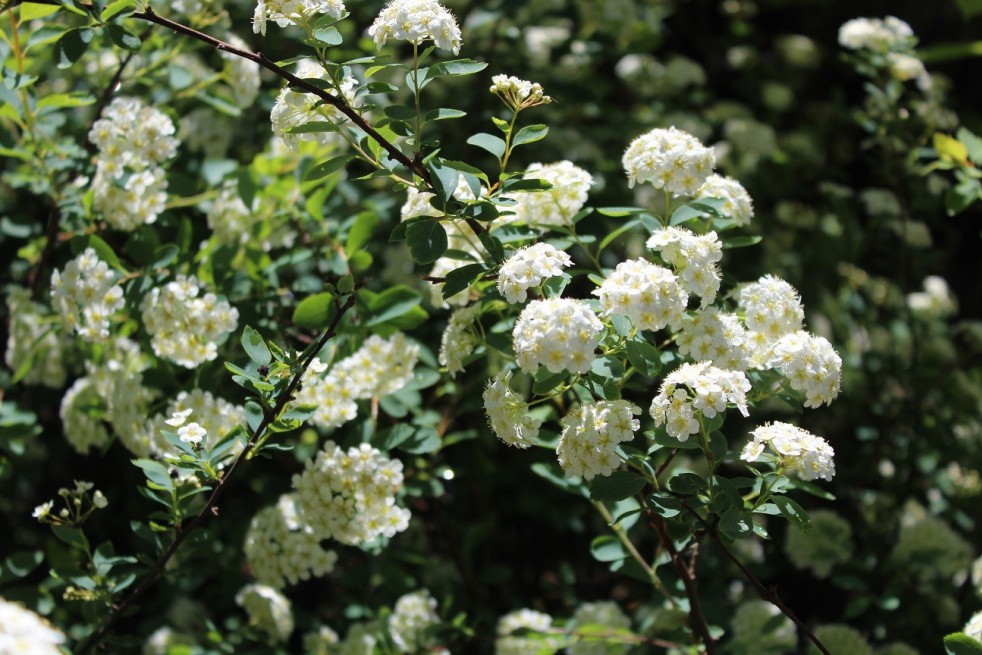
[79, 505]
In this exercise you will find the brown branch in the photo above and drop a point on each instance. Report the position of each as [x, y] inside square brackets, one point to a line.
[697, 620]
[415, 165]
[338, 103]
[767, 593]
[269, 415]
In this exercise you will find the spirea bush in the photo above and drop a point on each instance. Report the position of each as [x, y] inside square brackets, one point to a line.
[414, 327]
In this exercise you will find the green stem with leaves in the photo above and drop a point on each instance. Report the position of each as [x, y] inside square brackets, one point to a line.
[182, 532]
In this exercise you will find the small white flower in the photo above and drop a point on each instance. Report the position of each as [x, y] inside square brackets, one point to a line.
[191, 433]
[43, 510]
[99, 500]
[177, 419]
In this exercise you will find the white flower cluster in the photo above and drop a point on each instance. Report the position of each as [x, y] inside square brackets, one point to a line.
[23, 631]
[231, 222]
[648, 294]
[118, 381]
[800, 451]
[293, 12]
[241, 74]
[350, 496]
[416, 21]
[558, 333]
[518, 94]
[296, 108]
[529, 267]
[973, 627]
[602, 613]
[413, 613]
[591, 432]
[880, 34]
[185, 325]
[459, 339]
[418, 202]
[508, 413]
[268, 610]
[130, 187]
[905, 67]
[86, 295]
[558, 205]
[694, 257]
[935, 301]
[699, 387]
[737, 204]
[83, 428]
[528, 619]
[718, 337]
[771, 309]
[216, 417]
[379, 367]
[669, 158]
[163, 639]
[281, 550]
[810, 364]
[31, 338]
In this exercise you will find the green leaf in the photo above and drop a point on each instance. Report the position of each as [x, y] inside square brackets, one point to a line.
[529, 134]
[71, 536]
[400, 112]
[607, 549]
[687, 483]
[644, 357]
[102, 249]
[123, 38]
[793, 512]
[959, 643]
[665, 504]
[33, 10]
[616, 486]
[972, 143]
[686, 213]
[444, 180]
[427, 241]
[461, 278]
[326, 168]
[22, 563]
[114, 9]
[488, 142]
[164, 255]
[255, 346]
[390, 304]
[315, 312]
[444, 113]
[457, 67]
[618, 212]
[72, 45]
[735, 523]
[65, 100]
[155, 472]
[742, 242]
[360, 232]
[328, 35]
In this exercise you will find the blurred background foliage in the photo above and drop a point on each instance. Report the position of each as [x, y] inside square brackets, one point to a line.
[849, 217]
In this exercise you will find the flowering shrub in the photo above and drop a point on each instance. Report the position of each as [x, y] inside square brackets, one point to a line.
[291, 282]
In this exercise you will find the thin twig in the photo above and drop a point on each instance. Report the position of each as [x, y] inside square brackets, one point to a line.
[767, 593]
[697, 620]
[269, 415]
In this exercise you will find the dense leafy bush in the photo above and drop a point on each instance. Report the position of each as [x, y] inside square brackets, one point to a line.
[328, 331]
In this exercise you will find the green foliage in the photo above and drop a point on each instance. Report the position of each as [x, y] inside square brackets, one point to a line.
[341, 330]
